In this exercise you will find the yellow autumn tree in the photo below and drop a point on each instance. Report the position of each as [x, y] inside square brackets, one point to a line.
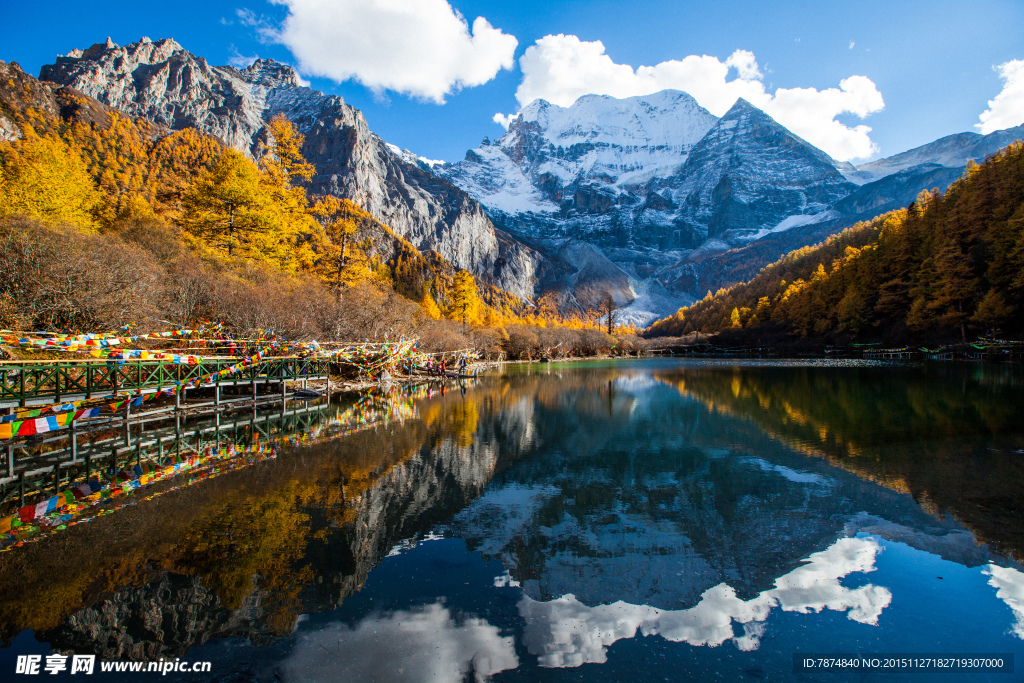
[41, 177]
[174, 162]
[231, 207]
[283, 161]
[338, 262]
[284, 168]
[117, 157]
[430, 306]
[464, 297]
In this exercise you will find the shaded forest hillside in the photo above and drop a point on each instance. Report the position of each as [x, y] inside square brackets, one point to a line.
[948, 266]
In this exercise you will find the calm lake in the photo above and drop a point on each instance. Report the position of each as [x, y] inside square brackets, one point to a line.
[656, 519]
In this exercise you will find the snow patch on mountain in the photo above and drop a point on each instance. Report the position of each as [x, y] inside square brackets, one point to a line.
[413, 158]
[795, 221]
[651, 302]
[626, 141]
[491, 177]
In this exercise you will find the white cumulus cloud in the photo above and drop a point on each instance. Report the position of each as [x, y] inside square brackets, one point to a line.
[1007, 109]
[561, 68]
[422, 48]
[503, 120]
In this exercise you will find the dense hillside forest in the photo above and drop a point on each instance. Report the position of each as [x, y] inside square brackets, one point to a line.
[107, 221]
[947, 267]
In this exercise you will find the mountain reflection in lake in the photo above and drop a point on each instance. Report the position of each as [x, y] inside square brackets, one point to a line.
[620, 520]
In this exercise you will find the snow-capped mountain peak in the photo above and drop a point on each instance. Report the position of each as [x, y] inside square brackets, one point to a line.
[648, 179]
[625, 141]
[550, 151]
[666, 118]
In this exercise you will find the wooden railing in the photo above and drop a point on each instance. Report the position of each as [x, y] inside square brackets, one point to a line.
[107, 445]
[24, 383]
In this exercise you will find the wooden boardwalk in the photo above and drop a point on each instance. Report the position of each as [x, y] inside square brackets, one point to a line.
[43, 465]
[29, 464]
[33, 383]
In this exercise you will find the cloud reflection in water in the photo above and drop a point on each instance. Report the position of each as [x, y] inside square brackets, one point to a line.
[566, 633]
[419, 644]
[1010, 585]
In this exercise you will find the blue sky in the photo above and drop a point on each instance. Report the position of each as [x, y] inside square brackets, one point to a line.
[931, 62]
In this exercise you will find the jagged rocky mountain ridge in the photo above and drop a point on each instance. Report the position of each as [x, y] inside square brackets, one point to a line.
[646, 172]
[165, 83]
[680, 201]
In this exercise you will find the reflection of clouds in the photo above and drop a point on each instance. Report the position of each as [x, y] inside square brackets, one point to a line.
[815, 586]
[565, 632]
[505, 581]
[1010, 585]
[636, 382]
[415, 645]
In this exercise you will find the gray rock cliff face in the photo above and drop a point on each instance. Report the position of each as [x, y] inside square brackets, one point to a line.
[167, 84]
[747, 176]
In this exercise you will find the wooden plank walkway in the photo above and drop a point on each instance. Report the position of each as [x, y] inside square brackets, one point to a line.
[46, 465]
[30, 383]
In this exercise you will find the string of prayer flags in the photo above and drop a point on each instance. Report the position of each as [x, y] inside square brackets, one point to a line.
[41, 425]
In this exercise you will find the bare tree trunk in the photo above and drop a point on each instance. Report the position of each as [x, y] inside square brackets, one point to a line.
[231, 228]
[609, 303]
[963, 327]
